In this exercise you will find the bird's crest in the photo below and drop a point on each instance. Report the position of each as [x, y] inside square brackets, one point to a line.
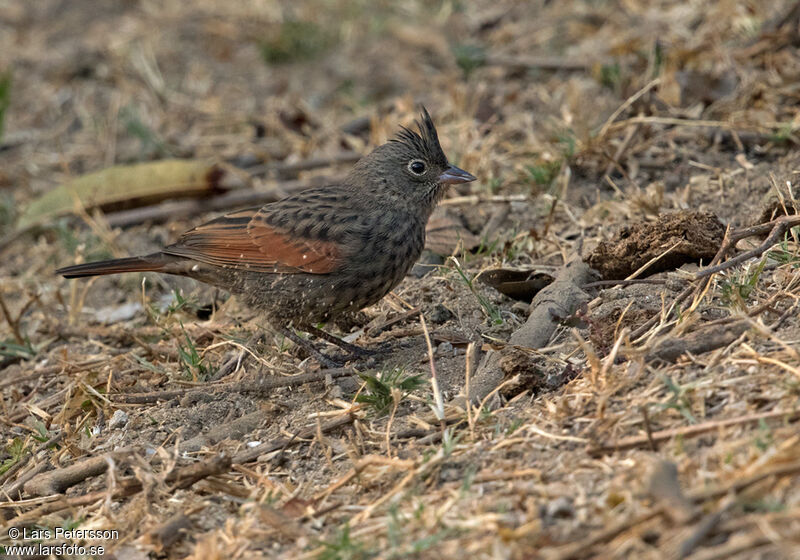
[426, 141]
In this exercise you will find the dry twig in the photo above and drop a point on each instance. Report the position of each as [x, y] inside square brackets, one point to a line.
[261, 386]
[688, 431]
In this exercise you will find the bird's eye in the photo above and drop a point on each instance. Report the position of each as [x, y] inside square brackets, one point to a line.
[417, 166]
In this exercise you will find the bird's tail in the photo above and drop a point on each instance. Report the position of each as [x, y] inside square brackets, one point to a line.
[154, 262]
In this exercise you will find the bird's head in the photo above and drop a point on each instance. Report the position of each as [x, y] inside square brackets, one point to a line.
[412, 167]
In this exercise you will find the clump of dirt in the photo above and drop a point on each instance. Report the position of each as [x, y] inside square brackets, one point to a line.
[628, 306]
[516, 361]
[675, 239]
[535, 373]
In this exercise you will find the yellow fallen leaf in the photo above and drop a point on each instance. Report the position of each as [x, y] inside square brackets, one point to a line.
[125, 185]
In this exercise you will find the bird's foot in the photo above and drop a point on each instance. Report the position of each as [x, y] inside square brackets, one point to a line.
[306, 345]
[352, 349]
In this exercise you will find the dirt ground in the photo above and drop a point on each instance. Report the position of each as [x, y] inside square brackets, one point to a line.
[659, 418]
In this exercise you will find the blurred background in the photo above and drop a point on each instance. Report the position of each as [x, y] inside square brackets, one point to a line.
[517, 87]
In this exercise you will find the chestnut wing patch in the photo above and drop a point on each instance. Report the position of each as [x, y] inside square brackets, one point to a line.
[243, 240]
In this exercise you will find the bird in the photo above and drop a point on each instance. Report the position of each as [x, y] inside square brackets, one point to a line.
[327, 251]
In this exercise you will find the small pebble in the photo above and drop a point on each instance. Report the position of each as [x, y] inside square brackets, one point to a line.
[560, 508]
[440, 314]
[445, 349]
[119, 420]
[335, 391]
[451, 474]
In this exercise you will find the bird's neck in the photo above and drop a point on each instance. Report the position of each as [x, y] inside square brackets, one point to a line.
[377, 192]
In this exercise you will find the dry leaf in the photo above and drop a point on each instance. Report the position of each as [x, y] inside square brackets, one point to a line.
[125, 185]
[517, 284]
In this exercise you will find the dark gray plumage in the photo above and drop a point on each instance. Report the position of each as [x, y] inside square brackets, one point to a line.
[322, 252]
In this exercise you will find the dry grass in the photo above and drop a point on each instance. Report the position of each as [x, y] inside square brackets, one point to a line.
[578, 117]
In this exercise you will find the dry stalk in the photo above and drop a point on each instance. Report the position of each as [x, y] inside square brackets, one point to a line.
[579, 549]
[253, 453]
[395, 403]
[776, 229]
[653, 261]
[627, 103]
[261, 386]
[471, 364]
[58, 481]
[13, 324]
[182, 477]
[688, 431]
[438, 406]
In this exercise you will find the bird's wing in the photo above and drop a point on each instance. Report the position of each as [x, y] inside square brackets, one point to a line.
[244, 240]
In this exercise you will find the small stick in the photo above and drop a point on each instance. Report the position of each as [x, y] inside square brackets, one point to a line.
[262, 385]
[675, 121]
[378, 329]
[12, 323]
[724, 247]
[655, 318]
[578, 549]
[735, 546]
[698, 342]
[235, 358]
[182, 477]
[737, 485]
[24, 460]
[255, 452]
[185, 477]
[15, 490]
[493, 223]
[359, 468]
[647, 428]
[753, 311]
[603, 283]
[777, 229]
[55, 369]
[628, 102]
[475, 199]
[423, 434]
[58, 481]
[703, 529]
[622, 148]
[654, 260]
[438, 406]
[688, 431]
[470, 366]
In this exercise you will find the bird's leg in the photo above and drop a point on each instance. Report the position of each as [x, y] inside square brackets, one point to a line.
[308, 347]
[351, 349]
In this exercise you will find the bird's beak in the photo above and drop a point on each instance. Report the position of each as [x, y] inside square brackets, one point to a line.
[455, 176]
